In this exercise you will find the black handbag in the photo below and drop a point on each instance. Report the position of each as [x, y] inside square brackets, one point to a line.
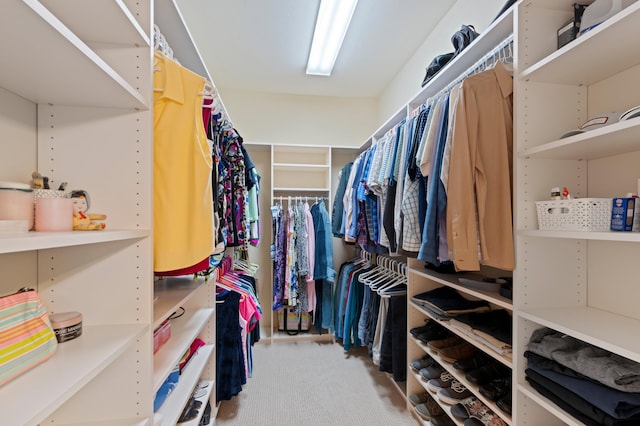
[463, 38]
[460, 40]
[436, 65]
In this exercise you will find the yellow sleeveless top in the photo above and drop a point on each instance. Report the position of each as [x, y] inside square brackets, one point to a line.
[182, 164]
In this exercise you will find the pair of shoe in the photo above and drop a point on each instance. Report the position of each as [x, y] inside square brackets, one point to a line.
[420, 363]
[474, 412]
[497, 388]
[442, 382]
[461, 351]
[454, 393]
[478, 360]
[430, 331]
[452, 348]
[488, 372]
[427, 407]
[432, 371]
[190, 410]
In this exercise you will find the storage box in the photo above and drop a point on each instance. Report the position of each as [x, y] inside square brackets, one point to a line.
[161, 335]
[625, 214]
[580, 214]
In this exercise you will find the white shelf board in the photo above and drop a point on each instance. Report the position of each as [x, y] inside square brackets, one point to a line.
[64, 70]
[172, 292]
[292, 189]
[80, 359]
[577, 64]
[618, 138]
[633, 237]
[549, 406]
[452, 281]
[506, 360]
[300, 166]
[111, 422]
[12, 243]
[606, 330]
[172, 407]
[103, 21]
[183, 331]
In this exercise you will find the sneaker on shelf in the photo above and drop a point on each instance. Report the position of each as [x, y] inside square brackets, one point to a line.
[428, 409]
[462, 350]
[419, 398]
[454, 393]
[444, 381]
[418, 364]
[431, 372]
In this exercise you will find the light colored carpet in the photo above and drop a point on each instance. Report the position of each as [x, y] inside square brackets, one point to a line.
[315, 384]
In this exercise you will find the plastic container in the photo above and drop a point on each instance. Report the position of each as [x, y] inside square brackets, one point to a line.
[54, 214]
[66, 325]
[16, 202]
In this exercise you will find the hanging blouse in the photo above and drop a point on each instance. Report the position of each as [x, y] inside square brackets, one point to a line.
[182, 199]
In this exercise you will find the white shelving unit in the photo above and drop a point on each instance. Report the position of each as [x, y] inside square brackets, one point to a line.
[578, 283]
[84, 112]
[298, 171]
[76, 105]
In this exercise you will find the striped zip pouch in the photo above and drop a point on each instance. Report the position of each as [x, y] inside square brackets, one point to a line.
[26, 336]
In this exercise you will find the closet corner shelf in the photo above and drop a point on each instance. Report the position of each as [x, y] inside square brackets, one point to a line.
[576, 63]
[13, 243]
[171, 293]
[177, 399]
[184, 330]
[81, 359]
[103, 21]
[552, 408]
[633, 237]
[600, 328]
[618, 138]
[460, 376]
[452, 281]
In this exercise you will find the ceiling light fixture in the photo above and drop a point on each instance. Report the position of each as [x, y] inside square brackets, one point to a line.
[333, 20]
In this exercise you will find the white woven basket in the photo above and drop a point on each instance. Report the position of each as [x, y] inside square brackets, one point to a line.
[581, 214]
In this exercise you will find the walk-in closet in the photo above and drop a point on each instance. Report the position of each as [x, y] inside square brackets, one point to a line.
[201, 224]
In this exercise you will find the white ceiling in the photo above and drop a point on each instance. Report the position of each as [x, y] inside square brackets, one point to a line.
[262, 45]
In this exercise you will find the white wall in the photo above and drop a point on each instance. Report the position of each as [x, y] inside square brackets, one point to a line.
[19, 136]
[321, 120]
[406, 84]
[300, 120]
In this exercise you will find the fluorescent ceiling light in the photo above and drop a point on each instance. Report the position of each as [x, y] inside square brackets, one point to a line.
[333, 20]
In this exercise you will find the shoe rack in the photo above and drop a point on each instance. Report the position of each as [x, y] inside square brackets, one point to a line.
[422, 280]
